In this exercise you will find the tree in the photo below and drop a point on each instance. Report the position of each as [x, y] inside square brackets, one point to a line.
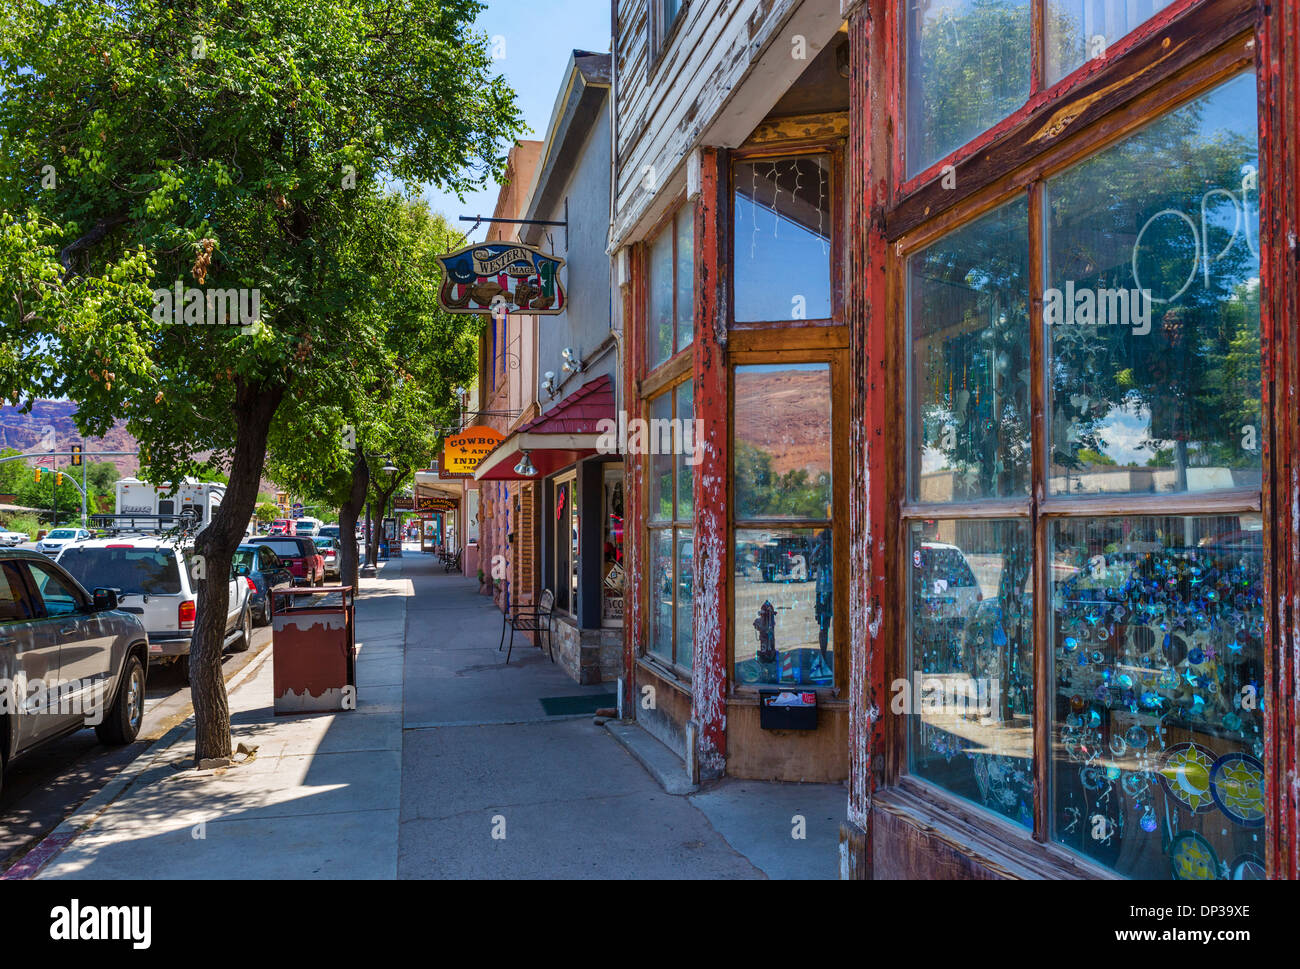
[187, 157]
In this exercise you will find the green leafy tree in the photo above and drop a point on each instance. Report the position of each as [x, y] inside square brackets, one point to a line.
[197, 145]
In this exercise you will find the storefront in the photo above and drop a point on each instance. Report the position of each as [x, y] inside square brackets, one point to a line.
[995, 381]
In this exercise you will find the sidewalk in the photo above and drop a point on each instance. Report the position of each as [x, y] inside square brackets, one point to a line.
[450, 767]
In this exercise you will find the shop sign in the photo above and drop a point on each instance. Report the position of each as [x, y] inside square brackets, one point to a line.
[499, 277]
[404, 503]
[435, 503]
[463, 452]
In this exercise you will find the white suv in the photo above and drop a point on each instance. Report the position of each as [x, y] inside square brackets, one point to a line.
[53, 543]
[157, 580]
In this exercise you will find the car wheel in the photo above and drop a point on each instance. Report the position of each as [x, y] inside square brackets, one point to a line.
[245, 632]
[266, 610]
[122, 723]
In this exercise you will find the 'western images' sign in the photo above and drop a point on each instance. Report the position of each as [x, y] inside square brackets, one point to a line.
[463, 452]
[500, 277]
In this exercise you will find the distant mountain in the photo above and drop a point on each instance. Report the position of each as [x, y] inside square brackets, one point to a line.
[25, 432]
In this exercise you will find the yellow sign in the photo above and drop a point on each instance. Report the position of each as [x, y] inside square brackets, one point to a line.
[464, 451]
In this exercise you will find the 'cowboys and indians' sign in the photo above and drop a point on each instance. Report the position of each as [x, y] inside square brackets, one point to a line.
[462, 452]
[501, 276]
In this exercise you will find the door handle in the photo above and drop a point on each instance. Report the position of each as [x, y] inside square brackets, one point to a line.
[68, 630]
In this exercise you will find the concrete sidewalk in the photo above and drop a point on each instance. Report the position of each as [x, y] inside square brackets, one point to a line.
[449, 768]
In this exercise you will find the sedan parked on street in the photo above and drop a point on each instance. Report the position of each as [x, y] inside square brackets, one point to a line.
[10, 539]
[53, 630]
[54, 543]
[329, 550]
[266, 571]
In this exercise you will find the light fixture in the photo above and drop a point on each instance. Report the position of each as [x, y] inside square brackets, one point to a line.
[525, 467]
[388, 467]
[571, 362]
[548, 384]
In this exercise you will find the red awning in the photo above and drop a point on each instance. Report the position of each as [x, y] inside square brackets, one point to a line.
[562, 436]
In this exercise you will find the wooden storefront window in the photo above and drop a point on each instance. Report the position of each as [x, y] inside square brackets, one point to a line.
[1082, 634]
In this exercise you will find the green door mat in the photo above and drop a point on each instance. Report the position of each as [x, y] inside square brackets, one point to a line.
[572, 706]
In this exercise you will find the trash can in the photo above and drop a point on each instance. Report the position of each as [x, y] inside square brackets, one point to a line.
[313, 649]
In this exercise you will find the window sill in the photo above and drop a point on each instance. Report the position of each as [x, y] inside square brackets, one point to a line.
[986, 839]
[672, 675]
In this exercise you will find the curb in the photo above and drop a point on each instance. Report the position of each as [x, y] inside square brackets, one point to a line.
[657, 759]
[53, 844]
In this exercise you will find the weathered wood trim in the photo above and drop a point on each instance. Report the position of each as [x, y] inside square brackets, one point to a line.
[801, 129]
[1278, 42]
[712, 478]
[634, 544]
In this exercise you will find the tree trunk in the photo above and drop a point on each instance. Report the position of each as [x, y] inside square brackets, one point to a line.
[383, 503]
[348, 513]
[255, 406]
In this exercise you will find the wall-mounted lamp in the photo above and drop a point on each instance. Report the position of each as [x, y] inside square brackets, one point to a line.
[525, 466]
[548, 383]
[571, 362]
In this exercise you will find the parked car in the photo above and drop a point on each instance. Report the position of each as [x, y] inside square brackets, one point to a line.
[10, 539]
[266, 571]
[300, 554]
[157, 580]
[328, 531]
[329, 550]
[51, 628]
[283, 526]
[54, 542]
[309, 527]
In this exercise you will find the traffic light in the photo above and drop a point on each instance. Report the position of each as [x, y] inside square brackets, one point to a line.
[76, 455]
[58, 479]
[38, 475]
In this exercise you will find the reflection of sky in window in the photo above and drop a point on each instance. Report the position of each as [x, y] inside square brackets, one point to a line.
[777, 261]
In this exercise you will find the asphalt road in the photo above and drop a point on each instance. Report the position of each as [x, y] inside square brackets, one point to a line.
[46, 786]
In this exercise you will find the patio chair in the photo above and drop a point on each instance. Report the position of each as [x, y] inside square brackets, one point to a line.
[530, 618]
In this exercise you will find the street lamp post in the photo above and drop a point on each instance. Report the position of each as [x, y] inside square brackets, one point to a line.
[369, 568]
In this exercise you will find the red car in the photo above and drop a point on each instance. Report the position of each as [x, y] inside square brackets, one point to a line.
[301, 555]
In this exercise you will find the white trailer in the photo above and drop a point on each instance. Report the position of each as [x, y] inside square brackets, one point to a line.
[136, 497]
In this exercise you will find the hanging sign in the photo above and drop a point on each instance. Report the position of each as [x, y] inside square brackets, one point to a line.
[501, 277]
[436, 503]
[462, 452]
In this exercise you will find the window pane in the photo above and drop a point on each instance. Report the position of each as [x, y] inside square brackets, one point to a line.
[783, 441]
[685, 596]
[661, 593]
[1159, 237]
[613, 574]
[784, 600]
[661, 465]
[563, 562]
[685, 276]
[659, 313]
[686, 470]
[782, 243]
[1079, 30]
[971, 692]
[967, 69]
[1158, 742]
[574, 531]
[968, 314]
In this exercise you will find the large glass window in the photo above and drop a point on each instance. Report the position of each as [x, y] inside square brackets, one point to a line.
[1082, 30]
[613, 569]
[566, 544]
[671, 310]
[971, 685]
[968, 67]
[781, 245]
[1155, 624]
[1152, 307]
[669, 547]
[969, 308]
[782, 544]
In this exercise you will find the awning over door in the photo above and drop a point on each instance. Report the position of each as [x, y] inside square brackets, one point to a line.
[562, 436]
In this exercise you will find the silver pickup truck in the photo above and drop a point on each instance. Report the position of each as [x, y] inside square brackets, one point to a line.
[69, 659]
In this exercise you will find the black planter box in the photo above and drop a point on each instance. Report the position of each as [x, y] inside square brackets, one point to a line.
[802, 717]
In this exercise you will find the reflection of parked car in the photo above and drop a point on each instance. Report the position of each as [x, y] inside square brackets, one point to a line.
[266, 572]
[52, 629]
[803, 666]
[946, 584]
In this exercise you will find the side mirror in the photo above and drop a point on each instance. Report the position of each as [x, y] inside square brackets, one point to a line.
[105, 600]
[241, 569]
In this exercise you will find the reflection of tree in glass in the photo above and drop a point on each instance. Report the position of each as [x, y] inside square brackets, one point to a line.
[970, 300]
[1196, 374]
[763, 493]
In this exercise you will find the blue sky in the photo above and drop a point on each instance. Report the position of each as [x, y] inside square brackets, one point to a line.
[539, 38]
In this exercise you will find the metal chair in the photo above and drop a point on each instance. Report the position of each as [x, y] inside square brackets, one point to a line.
[531, 618]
